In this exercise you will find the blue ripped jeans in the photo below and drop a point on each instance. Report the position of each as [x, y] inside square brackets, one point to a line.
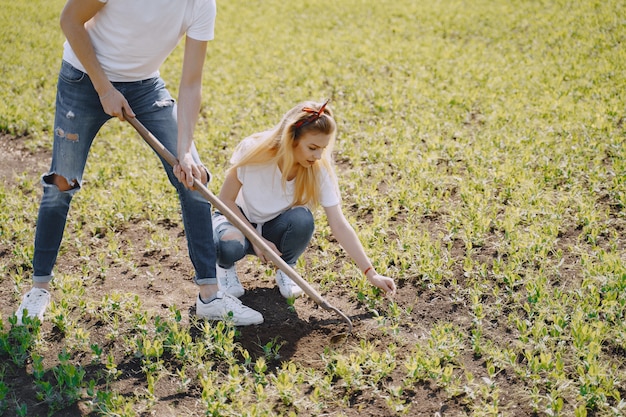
[290, 231]
[78, 118]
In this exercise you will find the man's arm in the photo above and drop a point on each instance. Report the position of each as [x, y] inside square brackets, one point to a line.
[189, 99]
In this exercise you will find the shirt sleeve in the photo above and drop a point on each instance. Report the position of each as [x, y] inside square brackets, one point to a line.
[330, 195]
[203, 24]
[240, 150]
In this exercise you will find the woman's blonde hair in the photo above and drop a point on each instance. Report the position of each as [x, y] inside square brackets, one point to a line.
[279, 145]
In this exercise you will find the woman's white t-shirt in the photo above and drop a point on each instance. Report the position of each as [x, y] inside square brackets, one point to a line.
[262, 196]
[133, 38]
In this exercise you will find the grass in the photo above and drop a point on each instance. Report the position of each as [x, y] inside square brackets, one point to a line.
[481, 155]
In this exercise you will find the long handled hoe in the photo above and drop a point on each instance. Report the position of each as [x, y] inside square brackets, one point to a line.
[245, 229]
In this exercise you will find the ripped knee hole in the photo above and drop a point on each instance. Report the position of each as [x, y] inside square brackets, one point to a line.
[61, 182]
[232, 237]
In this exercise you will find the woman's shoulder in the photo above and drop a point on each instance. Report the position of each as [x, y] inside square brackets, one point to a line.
[254, 139]
[248, 144]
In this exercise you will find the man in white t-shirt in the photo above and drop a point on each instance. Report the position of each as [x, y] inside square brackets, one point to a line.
[110, 68]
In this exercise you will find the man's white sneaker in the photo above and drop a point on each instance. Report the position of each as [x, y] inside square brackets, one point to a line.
[227, 307]
[229, 281]
[287, 287]
[34, 303]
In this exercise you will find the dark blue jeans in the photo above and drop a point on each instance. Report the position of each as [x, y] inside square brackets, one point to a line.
[290, 231]
[78, 118]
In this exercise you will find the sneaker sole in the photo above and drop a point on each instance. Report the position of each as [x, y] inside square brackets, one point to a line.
[230, 319]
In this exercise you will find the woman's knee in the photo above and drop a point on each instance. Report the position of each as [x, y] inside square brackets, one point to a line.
[230, 235]
[301, 218]
[229, 251]
[230, 246]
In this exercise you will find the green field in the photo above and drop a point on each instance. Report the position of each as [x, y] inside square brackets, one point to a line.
[482, 157]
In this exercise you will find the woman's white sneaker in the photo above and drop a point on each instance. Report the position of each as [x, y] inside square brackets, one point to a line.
[287, 287]
[229, 281]
[34, 303]
[226, 307]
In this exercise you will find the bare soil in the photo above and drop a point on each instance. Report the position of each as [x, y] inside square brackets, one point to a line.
[305, 330]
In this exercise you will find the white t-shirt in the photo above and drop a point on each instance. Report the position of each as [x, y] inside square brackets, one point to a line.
[132, 38]
[262, 196]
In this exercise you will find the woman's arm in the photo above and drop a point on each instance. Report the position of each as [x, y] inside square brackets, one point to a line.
[349, 241]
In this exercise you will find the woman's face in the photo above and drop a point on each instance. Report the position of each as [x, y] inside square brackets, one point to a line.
[310, 147]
